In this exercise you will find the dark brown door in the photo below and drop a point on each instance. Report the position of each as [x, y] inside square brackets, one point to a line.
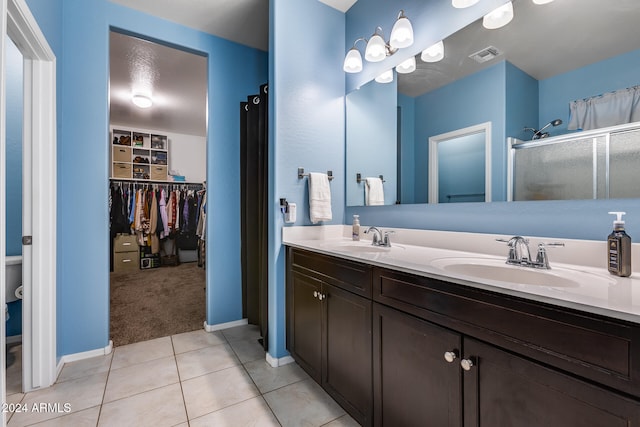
[413, 383]
[346, 372]
[505, 390]
[305, 323]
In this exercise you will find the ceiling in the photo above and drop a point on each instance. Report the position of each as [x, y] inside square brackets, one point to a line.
[542, 40]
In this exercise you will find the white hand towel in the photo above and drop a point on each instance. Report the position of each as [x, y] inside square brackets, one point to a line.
[319, 197]
[373, 192]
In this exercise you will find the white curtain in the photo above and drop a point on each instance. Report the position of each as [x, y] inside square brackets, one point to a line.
[609, 109]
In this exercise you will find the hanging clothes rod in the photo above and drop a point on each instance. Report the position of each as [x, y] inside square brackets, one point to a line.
[188, 185]
[301, 174]
[359, 178]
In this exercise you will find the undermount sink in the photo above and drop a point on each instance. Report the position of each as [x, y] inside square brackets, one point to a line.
[498, 270]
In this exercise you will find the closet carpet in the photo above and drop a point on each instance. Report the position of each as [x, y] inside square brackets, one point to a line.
[155, 303]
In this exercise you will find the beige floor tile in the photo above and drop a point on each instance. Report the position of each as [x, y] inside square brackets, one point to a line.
[85, 367]
[140, 352]
[206, 360]
[79, 394]
[303, 404]
[160, 407]
[195, 340]
[344, 421]
[245, 332]
[12, 399]
[85, 418]
[252, 412]
[247, 350]
[125, 382]
[268, 378]
[14, 370]
[217, 390]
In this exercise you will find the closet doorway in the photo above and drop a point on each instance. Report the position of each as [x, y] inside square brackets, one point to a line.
[157, 141]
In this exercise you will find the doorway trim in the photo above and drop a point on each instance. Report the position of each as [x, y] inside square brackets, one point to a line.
[39, 195]
[433, 157]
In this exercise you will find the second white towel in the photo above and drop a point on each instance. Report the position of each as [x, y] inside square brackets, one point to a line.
[373, 192]
[319, 197]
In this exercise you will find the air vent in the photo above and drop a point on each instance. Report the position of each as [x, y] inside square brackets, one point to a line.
[486, 54]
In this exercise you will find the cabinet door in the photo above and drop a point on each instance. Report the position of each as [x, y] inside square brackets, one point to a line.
[346, 373]
[505, 390]
[413, 383]
[305, 323]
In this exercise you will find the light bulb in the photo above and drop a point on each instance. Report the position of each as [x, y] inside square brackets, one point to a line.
[461, 4]
[499, 17]
[402, 33]
[385, 77]
[353, 61]
[433, 53]
[408, 66]
[376, 49]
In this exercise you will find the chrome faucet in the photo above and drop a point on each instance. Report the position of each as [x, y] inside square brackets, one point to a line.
[378, 238]
[519, 253]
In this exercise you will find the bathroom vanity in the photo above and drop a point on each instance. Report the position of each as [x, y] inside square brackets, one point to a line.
[398, 344]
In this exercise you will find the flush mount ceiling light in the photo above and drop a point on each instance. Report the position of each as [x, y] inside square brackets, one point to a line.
[433, 53]
[377, 48]
[141, 101]
[408, 66]
[461, 4]
[499, 17]
[542, 1]
[385, 77]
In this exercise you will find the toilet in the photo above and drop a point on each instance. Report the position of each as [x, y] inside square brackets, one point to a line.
[13, 276]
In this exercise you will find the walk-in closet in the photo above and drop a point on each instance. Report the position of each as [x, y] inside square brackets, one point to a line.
[157, 189]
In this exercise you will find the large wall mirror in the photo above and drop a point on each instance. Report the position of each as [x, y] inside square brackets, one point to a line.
[522, 77]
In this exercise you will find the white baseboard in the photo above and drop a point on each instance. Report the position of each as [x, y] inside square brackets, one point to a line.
[227, 325]
[275, 362]
[14, 339]
[83, 355]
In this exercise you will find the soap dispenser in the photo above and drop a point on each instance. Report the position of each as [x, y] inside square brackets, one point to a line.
[355, 230]
[619, 248]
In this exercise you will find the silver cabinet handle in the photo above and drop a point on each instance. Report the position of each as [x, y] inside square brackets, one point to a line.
[466, 364]
[450, 356]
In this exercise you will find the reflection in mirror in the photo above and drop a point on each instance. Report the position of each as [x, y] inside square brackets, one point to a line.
[458, 162]
[531, 70]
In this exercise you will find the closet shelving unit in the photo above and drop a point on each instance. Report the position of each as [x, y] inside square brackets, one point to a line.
[139, 156]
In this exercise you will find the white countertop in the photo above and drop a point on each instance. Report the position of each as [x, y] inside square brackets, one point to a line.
[421, 251]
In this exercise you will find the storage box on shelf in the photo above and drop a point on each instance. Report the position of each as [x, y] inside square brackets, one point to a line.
[139, 155]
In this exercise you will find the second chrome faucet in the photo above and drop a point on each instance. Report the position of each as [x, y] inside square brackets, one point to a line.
[519, 253]
[378, 238]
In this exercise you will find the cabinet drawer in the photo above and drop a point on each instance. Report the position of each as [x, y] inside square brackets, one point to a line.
[125, 243]
[126, 261]
[348, 275]
[602, 349]
[121, 154]
[158, 173]
[121, 170]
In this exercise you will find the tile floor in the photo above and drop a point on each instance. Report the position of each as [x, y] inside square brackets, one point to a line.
[193, 379]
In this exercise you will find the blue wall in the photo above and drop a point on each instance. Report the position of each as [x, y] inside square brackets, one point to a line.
[407, 107]
[461, 169]
[14, 99]
[83, 271]
[470, 101]
[306, 126]
[371, 129]
[522, 103]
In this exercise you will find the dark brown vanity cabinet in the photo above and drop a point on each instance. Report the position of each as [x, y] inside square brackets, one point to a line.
[447, 355]
[329, 327]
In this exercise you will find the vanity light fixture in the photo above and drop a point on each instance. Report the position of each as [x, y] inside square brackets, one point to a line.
[141, 100]
[498, 17]
[433, 53]
[377, 48]
[385, 77]
[408, 66]
[461, 4]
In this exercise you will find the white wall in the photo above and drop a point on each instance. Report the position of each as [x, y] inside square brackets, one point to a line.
[187, 153]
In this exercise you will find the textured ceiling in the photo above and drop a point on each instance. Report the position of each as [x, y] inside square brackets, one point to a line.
[176, 81]
[542, 40]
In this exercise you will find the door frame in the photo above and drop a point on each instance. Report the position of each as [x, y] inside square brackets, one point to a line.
[39, 195]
